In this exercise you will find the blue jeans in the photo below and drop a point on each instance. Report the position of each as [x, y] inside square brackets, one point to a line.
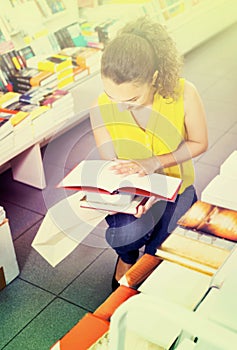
[127, 234]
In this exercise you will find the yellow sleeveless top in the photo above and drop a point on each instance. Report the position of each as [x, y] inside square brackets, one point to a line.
[164, 132]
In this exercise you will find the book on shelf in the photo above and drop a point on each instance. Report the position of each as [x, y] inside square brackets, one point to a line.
[188, 291]
[8, 98]
[17, 60]
[55, 63]
[32, 110]
[63, 38]
[33, 77]
[15, 116]
[84, 56]
[26, 53]
[57, 97]
[229, 166]
[97, 176]
[21, 88]
[211, 219]
[202, 256]
[205, 237]
[35, 95]
[4, 81]
[80, 72]
[6, 128]
[222, 189]
[7, 65]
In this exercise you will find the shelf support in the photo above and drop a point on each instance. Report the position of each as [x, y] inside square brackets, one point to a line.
[28, 168]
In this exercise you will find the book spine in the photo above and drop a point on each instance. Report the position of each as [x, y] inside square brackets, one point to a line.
[8, 64]
[4, 81]
[68, 38]
[26, 53]
[17, 64]
[20, 79]
[59, 39]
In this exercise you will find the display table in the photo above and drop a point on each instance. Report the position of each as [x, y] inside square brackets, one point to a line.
[25, 156]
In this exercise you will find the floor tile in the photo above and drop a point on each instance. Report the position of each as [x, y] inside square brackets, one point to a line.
[36, 270]
[20, 219]
[58, 151]
[216, 155]
[93, 286]
[20, 194]
[49, 326]
[204, 173]
[220, 115]
[20, 302]
[224, 90]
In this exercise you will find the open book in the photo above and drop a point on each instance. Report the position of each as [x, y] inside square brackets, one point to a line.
[97, 176]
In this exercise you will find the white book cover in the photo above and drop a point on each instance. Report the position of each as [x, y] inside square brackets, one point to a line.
[229, 166]
[222, 192]
[97, 175]
[177, 284]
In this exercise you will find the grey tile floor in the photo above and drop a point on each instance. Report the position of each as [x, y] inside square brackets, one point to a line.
[43, 303]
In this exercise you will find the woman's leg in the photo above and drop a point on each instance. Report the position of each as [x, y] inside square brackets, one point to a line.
[168, 222]
[126, 233]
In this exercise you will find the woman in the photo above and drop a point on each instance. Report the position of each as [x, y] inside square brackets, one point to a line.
[150, 120]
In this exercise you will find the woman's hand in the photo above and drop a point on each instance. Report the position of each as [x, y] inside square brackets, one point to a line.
[142, 209]
[141, 167]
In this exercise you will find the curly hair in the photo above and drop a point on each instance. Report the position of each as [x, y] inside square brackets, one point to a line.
[140, 48]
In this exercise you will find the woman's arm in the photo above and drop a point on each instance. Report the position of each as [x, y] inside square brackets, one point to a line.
[196, 141]
[196, 130]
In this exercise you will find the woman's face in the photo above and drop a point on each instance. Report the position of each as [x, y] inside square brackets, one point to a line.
[130, 96]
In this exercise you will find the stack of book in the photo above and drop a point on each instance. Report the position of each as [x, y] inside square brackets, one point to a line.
[57, 105]
[90, 34]
[8, 98]
[18, 117]
[62, 104]
[203, 240]
[70, 36]
[10, 63]
[27, 78]
[6, 132]
[61, 66]
[80, 70]
[84, 57]
[36, 117]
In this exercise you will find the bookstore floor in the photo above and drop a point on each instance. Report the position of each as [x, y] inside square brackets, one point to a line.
[44, 303]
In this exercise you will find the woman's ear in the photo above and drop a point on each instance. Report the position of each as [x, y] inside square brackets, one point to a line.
[154, 78]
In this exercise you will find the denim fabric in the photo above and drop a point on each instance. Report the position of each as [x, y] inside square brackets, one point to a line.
[127, 234]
